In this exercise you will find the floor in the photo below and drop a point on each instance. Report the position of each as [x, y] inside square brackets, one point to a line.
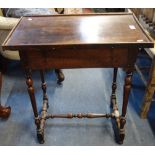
[84, 90]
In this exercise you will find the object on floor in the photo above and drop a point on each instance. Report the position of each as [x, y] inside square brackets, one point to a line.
[4, 111]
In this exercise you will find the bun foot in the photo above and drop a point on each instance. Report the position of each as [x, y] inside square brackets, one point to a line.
[5, 112]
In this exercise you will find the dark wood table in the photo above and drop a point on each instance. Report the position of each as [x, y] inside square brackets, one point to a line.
[78, 41]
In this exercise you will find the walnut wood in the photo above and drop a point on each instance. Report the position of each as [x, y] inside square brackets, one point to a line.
[115, 112]
[122, 130]
[60, 31]
[78, 41]
[79, 115]
[43, 85]
[113, 98]
[30, 89]
[114, 86]
[40, 131]
[127, 88]
[75, 58]
[4, 111]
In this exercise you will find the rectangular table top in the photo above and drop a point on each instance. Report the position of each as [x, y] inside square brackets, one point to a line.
[115, 29]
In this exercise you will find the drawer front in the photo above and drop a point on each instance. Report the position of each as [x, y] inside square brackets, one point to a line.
[75, 58]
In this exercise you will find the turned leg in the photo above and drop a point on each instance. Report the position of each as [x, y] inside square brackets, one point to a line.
[113, 99]
[43, 86]
[40, 133]
[127, 88]
[114, 107]
[30, 89]
[60, 76]
[114, 86]
[4, 111]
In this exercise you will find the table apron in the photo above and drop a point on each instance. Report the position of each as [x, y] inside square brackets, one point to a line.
[77, 58]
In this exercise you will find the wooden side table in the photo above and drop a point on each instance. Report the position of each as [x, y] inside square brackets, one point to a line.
[78, 41]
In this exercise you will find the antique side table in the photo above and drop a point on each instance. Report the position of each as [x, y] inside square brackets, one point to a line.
[78, 41]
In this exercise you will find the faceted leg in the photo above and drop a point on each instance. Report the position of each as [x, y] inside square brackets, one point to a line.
[127, 88]
[4, 111]
[60, 76]
[30, 89]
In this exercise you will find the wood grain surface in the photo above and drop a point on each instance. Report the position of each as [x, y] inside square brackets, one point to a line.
[87, 29]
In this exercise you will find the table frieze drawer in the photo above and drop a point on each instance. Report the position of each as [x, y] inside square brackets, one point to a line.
[76, 58]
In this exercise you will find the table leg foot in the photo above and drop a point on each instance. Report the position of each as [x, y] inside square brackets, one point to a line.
[5, 112]
[122, 130]
[40, 131]
[127, 88]
[40, 136]
[60, 76]
[120, 142]
[114, 108]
